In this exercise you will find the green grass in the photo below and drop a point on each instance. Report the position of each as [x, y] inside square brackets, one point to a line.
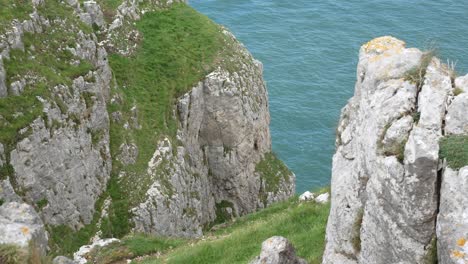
[302, 223]
[272, 170]
[417, 74]
[11, 9]
[455, 150]
[131, 247]
[12, 254]
[457, 91]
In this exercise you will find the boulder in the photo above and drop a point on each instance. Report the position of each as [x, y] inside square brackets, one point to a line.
[307, 196]
[277, 250]
[21, 225]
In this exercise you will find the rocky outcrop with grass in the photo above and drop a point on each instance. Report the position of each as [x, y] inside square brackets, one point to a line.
[401, 146]
[130, 116]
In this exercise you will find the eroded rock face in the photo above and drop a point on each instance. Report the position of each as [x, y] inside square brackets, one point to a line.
[22, 226]
[60, 162]
[278, 250]
[224, 134]
[385, 170]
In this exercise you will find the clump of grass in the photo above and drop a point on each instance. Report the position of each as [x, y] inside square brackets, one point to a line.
[431, 256]
[356, 240]
[457, 91]
[302, 223]
[272, 170]
[12, 254]
[42, 203]
[417, 74]
[221, 212]
[454, 149]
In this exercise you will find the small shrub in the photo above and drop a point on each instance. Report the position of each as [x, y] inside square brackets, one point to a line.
[356, 240]
[42, 203]
[457, 91]
[431, 255]
[416, 75]
[272, 170]
[454, 149]
[12, 254]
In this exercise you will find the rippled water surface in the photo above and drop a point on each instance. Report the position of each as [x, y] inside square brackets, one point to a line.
[309, 50]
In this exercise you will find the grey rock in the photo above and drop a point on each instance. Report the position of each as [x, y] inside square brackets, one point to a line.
[462, 83]
[17, 87]
[383, 210]
[64, 169]
[277, 250]
[79, 257]
[2, 155]
[128, 154]
[452, 220]
[3, 87]
[7, 193]
[21, 225]
[95, 13]
[63, 260]
[456, 120]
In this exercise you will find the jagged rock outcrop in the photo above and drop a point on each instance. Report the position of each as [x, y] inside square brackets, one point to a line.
[452, 220]
[21, 225]
[224, 131]
[56, 154]
[387, 171]
[278, 250]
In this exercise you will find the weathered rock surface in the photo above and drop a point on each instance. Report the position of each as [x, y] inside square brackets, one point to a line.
[452, 220]
[79, 257]
[224, 131]
[21, 225]
[385, 171]
[63, 260]
[277, 250]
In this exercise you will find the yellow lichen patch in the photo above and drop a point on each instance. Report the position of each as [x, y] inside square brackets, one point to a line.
[24, 230]
[382, 44]
[461, 242]
[458, 254]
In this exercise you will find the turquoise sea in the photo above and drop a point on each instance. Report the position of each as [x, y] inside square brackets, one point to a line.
[310, 49]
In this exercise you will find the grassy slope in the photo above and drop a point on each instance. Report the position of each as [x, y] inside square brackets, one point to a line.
[235, 242]
[302, 223]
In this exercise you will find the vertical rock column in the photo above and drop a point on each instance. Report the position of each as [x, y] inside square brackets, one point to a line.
[452, 220]
[384, 176]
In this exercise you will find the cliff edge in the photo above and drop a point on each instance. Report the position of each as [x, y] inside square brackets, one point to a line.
[399, 173]
[128, 116]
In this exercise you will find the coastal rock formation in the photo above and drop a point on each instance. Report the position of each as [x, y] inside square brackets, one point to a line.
[224, 131]
[387, 172]
[70, 141]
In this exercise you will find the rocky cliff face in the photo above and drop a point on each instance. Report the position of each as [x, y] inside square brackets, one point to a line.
[71, 150]
[394, 196]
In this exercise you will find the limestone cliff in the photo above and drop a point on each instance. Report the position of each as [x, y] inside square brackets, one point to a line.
[399, 176]
[102, 137]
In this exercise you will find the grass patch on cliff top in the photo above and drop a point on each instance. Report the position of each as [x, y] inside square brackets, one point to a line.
[302, 223]
[178, 49]
[455, 150]
[272, 170]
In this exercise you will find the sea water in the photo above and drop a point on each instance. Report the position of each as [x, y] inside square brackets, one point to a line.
[310, 50]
